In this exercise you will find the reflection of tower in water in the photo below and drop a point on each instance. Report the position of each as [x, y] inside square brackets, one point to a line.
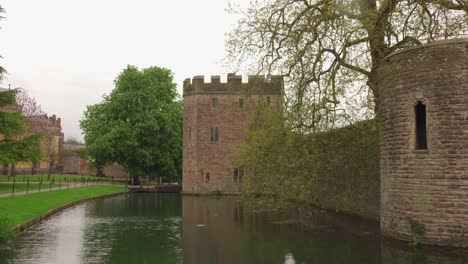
[211, 233]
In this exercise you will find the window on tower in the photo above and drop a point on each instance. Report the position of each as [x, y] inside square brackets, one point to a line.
[214, 103]
[420, 126]
[214, 135]
[241, 103]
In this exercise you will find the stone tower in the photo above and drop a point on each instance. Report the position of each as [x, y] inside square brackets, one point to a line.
[423, 113]
[215, 117]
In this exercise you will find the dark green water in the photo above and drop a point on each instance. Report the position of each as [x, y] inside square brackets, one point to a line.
[150, 228]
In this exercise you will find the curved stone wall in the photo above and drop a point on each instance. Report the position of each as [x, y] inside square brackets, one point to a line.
[425, 187]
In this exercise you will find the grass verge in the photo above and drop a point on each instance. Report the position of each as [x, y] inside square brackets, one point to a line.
[20, 209]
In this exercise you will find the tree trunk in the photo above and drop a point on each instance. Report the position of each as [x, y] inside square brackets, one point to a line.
[99, 171]
[13, 170]
[51, 165]
[49, 172]
[135, 180]
[35, 165]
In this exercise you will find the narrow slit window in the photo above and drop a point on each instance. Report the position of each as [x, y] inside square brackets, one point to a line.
[241, 103]
[241, 173]
[236, 174]
[214, 103]
[214, 135]
[207, 177]
[190, 134]
[421, 133]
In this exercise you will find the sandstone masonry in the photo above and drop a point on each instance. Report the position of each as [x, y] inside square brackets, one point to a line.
[215, 117]
[424, 142]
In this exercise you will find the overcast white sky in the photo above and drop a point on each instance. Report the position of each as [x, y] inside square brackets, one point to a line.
[66, 53]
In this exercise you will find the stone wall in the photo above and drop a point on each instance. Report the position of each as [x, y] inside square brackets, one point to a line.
[347, 165]
[71, 158]
[208, 164]
[428, 187]
[51, 145]
[73, 163]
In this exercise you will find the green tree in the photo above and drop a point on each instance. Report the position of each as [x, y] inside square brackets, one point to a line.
[14, 146]
[329, 50]
[139, 125]
[2, 70]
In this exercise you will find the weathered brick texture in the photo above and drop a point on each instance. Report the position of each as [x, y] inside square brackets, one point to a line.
[429, 186]
[200, 154]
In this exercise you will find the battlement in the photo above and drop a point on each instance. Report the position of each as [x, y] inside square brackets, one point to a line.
[44, 119]
[256, 84]
[55, 121]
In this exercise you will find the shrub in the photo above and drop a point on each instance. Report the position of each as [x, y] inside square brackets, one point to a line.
[5, 232]
[418, 231]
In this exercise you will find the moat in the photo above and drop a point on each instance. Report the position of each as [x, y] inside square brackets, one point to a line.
[152, 228]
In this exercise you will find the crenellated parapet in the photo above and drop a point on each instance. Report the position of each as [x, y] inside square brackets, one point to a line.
[55, 121]
[256, 84]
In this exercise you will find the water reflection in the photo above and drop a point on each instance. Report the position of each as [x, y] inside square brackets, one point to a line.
[56, 241]
[147, 228]
[221, 230]
[124, 229]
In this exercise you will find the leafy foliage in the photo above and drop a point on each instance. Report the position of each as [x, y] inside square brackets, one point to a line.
[5, 232]
[276, 161]
[139, 125]
[13, 146]
[336, 169]
[418, 230]
[329, 50]
[38, 123]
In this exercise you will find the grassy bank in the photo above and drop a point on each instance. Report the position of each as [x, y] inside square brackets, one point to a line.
[20, 209]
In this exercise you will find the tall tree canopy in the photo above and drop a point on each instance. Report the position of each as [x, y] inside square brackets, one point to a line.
[2, 70]
[139, 125]
[329, 49]
[14, 146]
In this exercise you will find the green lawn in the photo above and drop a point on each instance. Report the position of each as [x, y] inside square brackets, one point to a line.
[21, 187]
[20, 209]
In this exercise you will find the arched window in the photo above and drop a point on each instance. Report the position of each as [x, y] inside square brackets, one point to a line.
[421, 135]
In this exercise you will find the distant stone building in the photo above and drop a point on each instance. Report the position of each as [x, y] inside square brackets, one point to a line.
[51, 145]
[71, 158]
[73, 163]
[423, 111]
[215, 117]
